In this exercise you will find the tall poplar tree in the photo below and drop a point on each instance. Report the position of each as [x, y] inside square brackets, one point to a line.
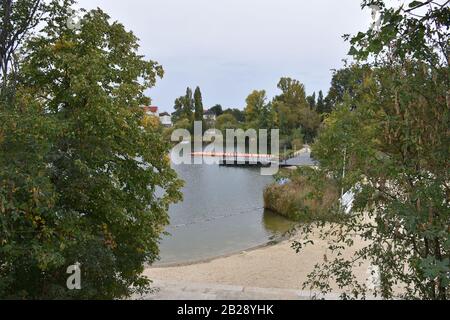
[198, 105]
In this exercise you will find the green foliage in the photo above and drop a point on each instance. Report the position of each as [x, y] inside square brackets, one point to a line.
[185, 106]
[183, 123]
[309, 124]
[345, 82]
[198, 105]
[17, 19]
[239, 115]
[416, 30]
[392, 130]
[291, 143]
[217, 110]
[289, 103]
[312, 101]
[226, 121]
[293, 110]
[256, 101]
[321, 108]
[81, 173]
[290, 111]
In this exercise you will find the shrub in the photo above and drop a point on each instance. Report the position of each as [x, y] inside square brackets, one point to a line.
[303, 198]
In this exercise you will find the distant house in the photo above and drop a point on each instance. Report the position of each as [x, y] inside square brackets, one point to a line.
[209, 116]
[151, 110]
[166, 119]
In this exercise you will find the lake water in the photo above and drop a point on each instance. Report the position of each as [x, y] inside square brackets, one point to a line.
[222, 213]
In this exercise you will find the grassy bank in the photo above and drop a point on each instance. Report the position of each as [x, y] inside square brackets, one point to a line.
[303, 198]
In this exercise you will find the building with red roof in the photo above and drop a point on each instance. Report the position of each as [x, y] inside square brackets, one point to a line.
[151, 110]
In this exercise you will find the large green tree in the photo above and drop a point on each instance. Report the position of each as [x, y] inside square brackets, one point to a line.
[255, 102]
[184, 107]
[289, 103]
[84, 179]
[293, 110]
[344, 82]
[391, 140]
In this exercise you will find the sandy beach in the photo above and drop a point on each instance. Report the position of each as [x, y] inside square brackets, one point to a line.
[275, 266]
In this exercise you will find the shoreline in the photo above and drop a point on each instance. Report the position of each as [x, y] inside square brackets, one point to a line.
[273, 265]
[270, 243]
[221, 256]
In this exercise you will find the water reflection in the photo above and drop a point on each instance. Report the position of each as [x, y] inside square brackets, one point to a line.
[276, 224]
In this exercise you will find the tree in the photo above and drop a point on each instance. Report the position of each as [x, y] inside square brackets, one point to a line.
[267, 117]
[79, 168]
[293, 93]
[394, 149]
[188, 103]
[293, 109]
[226, 121]
[198, 103]
[184, 106]
[310, 122]
[239, 115]
[17, 19]
[344, 82]
[289, 103]
[321, 103]
[255, 103]
[179, 109]
[312, 101]
[217, 109]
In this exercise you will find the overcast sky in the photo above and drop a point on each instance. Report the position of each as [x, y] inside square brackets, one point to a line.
[231, 47]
